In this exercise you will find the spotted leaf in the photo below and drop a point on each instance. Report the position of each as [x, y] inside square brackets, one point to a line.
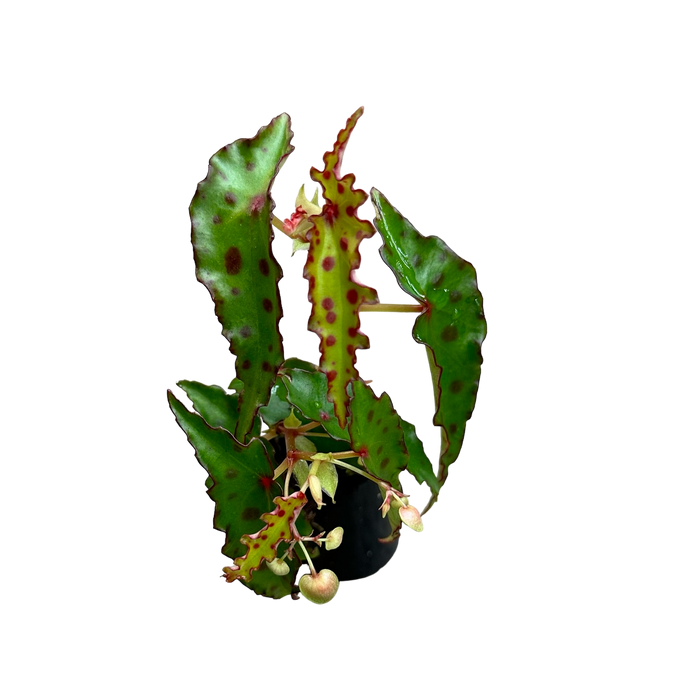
[240, 484]
[231, 235]
[376, 433]
[307, 390]
[333, 256]
[262, 546]
[452, 326]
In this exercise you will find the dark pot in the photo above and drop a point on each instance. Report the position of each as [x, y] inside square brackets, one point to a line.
[356, 510]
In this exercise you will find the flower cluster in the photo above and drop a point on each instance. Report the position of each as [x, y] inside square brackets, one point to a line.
[296, 225]
[409, 512]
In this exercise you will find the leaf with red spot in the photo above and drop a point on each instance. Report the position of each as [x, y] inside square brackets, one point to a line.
[231, 216]
[333, 257]
[240, 484]
[376, 434]
[280, 526]
[452, 327]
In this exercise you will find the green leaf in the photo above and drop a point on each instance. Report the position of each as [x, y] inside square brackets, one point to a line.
[335, 251]
[308, 391]
[419, 465]
[231, 235]
[278, 408]
[240, 484]
[262, 546]
[271, 585]
[213, 401]
[452, 326]
[376, 434]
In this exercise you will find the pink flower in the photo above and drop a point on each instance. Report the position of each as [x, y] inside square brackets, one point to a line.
[319, 589]
[414, 521]
[296, 224]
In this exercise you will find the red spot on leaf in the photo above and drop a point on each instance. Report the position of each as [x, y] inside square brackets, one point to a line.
[341, 189]
[266, 482]
[257, 203]
[352, 332]
[327, 303]
[323, 415]
[352, 296]
[326, 175]
[351, 350]
[343, 243]
[330, 317]
[330, 212]
[233, 261]
[328, 263]
[332, 375]
[350, 211]
[330, 340]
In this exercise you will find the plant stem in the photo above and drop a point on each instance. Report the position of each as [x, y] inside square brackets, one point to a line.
[400, 308]
[308, 558]
[367, 475]
[279, 225]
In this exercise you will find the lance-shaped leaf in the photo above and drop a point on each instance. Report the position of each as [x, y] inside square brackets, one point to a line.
[376, 434]
[452, 326]
[333, 256]
[240, 483]
[262, 546]
[231, 235]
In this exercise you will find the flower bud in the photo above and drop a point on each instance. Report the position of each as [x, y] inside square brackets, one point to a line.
[278, 567]
[291, 421]
[320, 587]
[334, 538]
[316, 490]
[411, 517]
